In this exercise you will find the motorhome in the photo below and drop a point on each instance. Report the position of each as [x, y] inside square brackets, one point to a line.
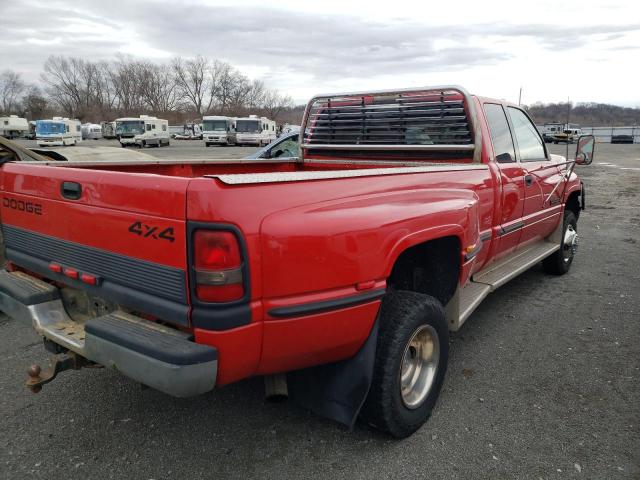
[568, 135]
[58, 132]
[142, 131]
[254, 130]
[218, 130]
[551, 129]
[91, 131]
[13, 126]
[108, 129]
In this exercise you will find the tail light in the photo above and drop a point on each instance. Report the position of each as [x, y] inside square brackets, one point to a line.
[218, 266]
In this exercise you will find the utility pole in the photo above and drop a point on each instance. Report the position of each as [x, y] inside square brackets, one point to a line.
[520, 97]
[568, 118]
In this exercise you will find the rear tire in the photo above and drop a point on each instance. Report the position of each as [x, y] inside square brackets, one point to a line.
[410, 365]
[560, 262]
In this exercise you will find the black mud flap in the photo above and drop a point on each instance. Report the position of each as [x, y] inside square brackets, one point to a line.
[338, 390]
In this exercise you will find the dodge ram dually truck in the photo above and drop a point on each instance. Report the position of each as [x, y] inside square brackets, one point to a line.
[337, 275]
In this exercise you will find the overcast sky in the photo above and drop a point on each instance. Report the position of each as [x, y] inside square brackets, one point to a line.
[585, 50]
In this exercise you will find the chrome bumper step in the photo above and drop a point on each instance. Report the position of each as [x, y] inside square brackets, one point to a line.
[158, 356]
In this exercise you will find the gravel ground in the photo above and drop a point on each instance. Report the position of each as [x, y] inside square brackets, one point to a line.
[543, 382]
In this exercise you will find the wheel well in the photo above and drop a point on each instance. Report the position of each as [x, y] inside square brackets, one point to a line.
[573, 203]
[432, 268]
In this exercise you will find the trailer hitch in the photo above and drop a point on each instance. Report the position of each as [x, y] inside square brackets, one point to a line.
[59, 363]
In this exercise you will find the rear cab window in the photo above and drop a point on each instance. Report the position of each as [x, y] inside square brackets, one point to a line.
[503, 147]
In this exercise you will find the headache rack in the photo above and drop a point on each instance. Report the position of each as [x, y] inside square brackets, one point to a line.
[417, 120]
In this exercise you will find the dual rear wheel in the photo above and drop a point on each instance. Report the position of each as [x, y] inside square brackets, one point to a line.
[410, 365]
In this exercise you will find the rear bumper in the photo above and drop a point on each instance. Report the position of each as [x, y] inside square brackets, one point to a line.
[152, 354]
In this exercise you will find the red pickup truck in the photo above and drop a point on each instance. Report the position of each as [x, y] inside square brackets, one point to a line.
[344, 268]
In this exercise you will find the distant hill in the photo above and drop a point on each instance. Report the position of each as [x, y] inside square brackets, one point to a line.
[585, 114]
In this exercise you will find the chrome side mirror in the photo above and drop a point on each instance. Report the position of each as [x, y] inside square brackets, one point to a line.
[585, 149]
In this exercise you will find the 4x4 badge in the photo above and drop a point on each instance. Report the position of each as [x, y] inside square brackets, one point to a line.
[148, 231]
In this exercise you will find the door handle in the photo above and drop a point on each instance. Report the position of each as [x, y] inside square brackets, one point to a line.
[528, 180]
[71, 190]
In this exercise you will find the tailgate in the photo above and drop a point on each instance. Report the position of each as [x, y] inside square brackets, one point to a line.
[121, 236]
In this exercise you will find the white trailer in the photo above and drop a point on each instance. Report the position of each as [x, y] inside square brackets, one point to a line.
[108, 129]
[13, 126]
[91, 131]
[218, 130]
[58, 132]
[254, 130]
[143, 131]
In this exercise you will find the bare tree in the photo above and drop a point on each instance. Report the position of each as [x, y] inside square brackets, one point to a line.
[34, 104]
[255, 95]
[125, 78]
[101, 90]
[158, 87]
[11, 88]
[274, 104]
[192, 78]
[62, 79]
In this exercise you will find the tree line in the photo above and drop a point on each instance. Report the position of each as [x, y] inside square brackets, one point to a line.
[585, 114]
[179, 90]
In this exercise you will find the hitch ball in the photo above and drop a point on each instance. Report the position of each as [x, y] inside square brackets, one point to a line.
[34, 381]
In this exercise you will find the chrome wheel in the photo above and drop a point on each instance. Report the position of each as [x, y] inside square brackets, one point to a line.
[570, 243]
[419, 366]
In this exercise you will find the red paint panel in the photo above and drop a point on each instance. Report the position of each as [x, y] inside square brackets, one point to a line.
[152, 195]
[107, 229]
[315, 339]
[238, 351]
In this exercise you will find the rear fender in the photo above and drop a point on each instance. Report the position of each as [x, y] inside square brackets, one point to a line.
[461, 220]
[319, 247]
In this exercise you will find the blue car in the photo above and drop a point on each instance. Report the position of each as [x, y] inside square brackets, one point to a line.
[285, 146]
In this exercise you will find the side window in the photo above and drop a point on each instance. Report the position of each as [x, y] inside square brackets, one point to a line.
[153, 126]
[500, 133]
[66, 128]
[287, 149]
[164, 127]
[148, 127]
[529, 142]
[78, 128]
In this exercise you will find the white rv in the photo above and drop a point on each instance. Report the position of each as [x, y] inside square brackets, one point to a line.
[13, 126]
[218, 130]
[143, 131]
[254, 130]
[108, 129]
[91, 131]
[58, 132]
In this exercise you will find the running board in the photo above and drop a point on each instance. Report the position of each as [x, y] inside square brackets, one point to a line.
[467, 298]
[501, 272]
